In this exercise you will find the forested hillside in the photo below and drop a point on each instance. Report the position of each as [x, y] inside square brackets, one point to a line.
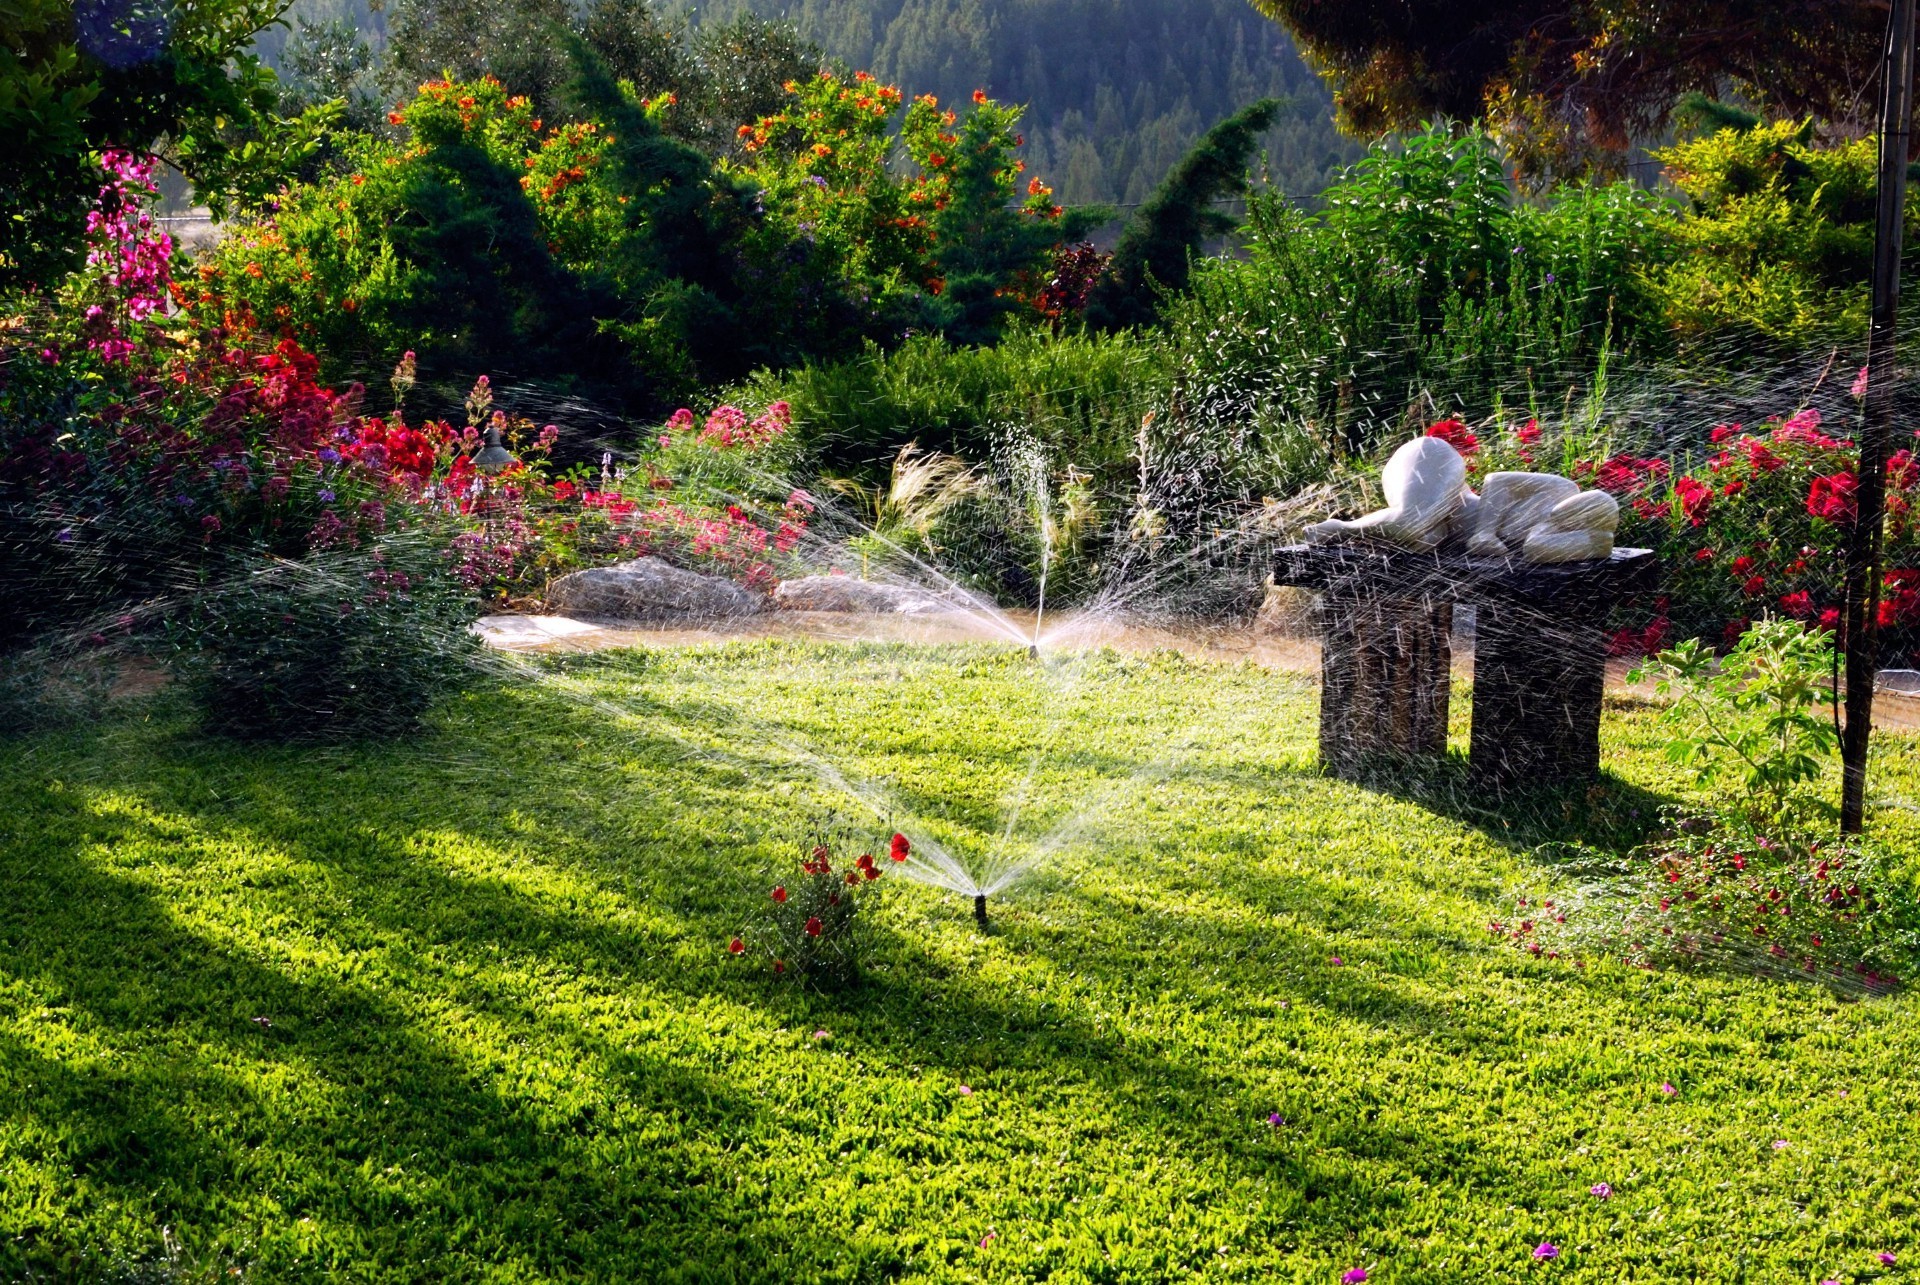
[1116, 89]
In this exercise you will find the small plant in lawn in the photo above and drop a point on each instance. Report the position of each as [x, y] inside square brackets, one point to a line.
[810, 925]
[1766, 871]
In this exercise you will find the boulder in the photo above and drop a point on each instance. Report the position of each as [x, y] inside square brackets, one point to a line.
[844, 593]
[649, 589]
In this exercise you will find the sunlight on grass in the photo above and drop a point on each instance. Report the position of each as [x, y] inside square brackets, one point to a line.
[502, 1038]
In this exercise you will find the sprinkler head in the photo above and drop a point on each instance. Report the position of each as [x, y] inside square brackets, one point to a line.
[980, 908]
[1033, 651]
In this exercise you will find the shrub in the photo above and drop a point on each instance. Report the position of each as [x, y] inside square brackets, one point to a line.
[1765, 869]
[351, 640]
[1781, 238]
[1420, 281]
[811, 926]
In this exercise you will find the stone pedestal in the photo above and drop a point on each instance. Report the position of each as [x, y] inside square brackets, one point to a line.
[1539, 648]
[1538, 675]
[1384, 679]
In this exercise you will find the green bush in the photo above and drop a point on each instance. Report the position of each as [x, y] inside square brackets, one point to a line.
[1780, 241]
[1082, 396]
[1422, 283]
[345, 642]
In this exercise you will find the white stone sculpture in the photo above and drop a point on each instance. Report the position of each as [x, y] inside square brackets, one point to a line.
[1577, 529]
[1512, 505]
[1541, 517]
[1425, 484]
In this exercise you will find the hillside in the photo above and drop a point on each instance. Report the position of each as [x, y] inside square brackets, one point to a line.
[1116, 89]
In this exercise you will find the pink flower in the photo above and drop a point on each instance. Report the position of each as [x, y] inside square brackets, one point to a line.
[966, 1090]
[1600, 1191]
[822, 1035]
[1546, 1249]
[1354, 1277]
[1668, 1089]
[989, 1238]
[1336, 961]
[1779, 1144]
[1885, 1258]
[1859, 388]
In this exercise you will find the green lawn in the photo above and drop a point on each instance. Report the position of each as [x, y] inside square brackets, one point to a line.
[462, 1009]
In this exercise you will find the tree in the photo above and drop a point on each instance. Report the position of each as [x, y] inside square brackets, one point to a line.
[1569, 87]
[77, 78]
[1159, 242]
[726, 75]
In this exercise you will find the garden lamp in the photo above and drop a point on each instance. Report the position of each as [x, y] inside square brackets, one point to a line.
[493, 457]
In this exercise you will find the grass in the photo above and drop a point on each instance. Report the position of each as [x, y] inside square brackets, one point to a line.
[461, 1009]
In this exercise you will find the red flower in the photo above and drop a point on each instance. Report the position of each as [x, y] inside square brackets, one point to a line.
[853, 877]
[865, 862]
[736, 946]
[1832, 497]
[1704, 555]
[1695, 496]
[1754, 585]
[1455, 434]
[1741, 565]
[1721, 432]
[1798, 605]
[1528, 433]
[900, 848]
[780, 894]
[779, 965]
[813, 926]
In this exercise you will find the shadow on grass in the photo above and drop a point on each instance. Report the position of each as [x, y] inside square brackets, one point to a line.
[416, 1089]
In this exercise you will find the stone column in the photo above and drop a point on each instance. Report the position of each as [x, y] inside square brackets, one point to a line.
[1538, 675]
[1385, 665]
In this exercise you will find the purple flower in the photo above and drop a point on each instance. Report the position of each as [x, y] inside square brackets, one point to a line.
[1336, 961]
[1779, 1144]
[328, 455]
[1354, 1277]
[1885, 1258]
[1600, 1191]
[1546, 1249]
[1276, 1119]
[326, 497]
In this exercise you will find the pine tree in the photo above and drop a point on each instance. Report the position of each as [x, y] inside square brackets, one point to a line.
[1160, 240]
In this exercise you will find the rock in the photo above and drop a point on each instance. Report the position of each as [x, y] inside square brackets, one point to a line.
[649, 589]
[844, 593]
[1425, 483]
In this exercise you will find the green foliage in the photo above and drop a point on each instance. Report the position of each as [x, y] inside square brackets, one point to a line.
[347, 641]
[719, 77]
[1082, 395]
[1421, 284]
[812, 923]
[1156, 248]
[310, 1009]
[1781, 239]
[76, 79]
[1761, 715]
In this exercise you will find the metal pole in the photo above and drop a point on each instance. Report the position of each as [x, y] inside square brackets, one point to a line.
[1876, 425]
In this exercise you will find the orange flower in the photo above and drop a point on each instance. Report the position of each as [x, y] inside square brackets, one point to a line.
[979, 96]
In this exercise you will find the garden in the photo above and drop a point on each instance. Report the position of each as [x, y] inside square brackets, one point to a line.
[657, 665]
